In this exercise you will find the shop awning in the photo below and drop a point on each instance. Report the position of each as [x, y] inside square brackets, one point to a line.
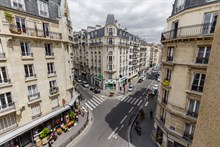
[10, 135]
[72, 101]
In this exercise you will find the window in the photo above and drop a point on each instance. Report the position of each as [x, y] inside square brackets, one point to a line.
[46, 29]
[2, 54]
[43, 8]
[18, 4]
[110, 31]
[165, 96]
[198, 82]
[209, 22]
[21, 27]
[55, 103]
[110, 76]
[3, 75]
[35, 109]
[53, 87]
[51, 68]
[5, 101]
[179, 5]
[110, 41]
[29, 71]
[203, 55]
[25, 49]
[95, 33]
[170, 54]
[33, 92]
[168, 74]
[193, 108]
[163, 116]
[110, 67]
[7, 121]
[189, 131]
[48, 50]
[110, 58]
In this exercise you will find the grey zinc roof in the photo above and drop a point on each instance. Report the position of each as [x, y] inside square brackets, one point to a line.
[191, 4]
[110, 19]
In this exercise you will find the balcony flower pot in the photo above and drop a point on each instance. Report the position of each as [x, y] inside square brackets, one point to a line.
[8, 16]
[166, 83]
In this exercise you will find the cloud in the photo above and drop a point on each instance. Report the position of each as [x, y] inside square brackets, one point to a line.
[146, 18]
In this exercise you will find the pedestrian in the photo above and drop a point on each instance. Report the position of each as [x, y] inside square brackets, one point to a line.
[151, 113]
[49, 144]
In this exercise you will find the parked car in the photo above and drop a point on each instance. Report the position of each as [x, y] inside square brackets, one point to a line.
[84, 82]
[86, 85]
[92, 88]
[140, 80]
[130, 88]
[155, 87]
[78, 80]
[96, 91]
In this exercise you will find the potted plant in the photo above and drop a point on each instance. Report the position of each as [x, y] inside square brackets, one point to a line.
[8, 16]
[72, 115]
[44, 135]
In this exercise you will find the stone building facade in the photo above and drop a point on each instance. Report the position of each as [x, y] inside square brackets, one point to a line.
[185, 57]
[35, 66]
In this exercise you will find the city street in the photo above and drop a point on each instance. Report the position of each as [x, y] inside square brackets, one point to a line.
[112, 117]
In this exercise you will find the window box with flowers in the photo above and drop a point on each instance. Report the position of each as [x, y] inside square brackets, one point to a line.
[166, 83]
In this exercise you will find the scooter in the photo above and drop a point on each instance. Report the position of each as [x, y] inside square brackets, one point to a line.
[138, 129]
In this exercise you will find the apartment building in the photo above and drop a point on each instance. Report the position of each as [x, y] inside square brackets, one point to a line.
[187, 45]
[155, 54]
[35, 68]
[109, 56]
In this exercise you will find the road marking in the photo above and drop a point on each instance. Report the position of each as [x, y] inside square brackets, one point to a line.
[121, 127]
[88, 106]
[136, 101]
[91, 104]
[139, 103]
[131, 109]
[129, 100]
[96, 101]
[123, 98]
[91, 100]
[113, 132]
[123, 119]
[132, 101]
[146, 104]
[143, 94]
[101, 99]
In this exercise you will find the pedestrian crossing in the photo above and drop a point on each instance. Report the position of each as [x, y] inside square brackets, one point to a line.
[94, 102]
[131, 100]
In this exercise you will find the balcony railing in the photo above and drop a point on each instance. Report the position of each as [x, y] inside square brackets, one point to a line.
[110, 62]
[5, 80]
[33, 96]
[110, 33]
[51, 72]
[7, 106]
[169, 58]
[110, 53]
[189, 31]
[192, 114]
[28, 54]
[54, 90]
[96, 43]
[162, 120]
[2, 55]
[200, 60]
[186, 135]
[164, 101]
[34, 32]
[49, 54]
[166, 82]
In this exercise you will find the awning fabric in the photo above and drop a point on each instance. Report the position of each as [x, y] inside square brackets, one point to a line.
[10, 135]
[72, 101]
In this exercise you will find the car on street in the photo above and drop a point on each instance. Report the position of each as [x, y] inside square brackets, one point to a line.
[86, 85]
[92, 88]
[96, 90]
[130, 88]
[140, 80]
[155, 87]
[78, 80]
[84, 82]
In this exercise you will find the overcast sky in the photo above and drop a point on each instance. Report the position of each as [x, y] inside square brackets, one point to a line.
[146, 18]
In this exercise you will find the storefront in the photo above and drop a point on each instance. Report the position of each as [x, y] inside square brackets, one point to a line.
[132, 78]
[122, 82]
[98, 81]
[110, 85]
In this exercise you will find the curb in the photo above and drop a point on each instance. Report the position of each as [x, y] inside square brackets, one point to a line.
[129, 132]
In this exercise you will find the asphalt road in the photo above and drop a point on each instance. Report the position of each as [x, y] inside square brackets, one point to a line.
[112, 117]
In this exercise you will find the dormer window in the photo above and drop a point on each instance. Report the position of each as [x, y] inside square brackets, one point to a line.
[179, 5]
[43, 8]
[18, 4]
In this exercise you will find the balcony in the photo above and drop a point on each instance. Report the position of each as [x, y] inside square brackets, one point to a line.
[199, 30]
[33, 32]
[5, 81]
[166, 83]
[192, 114]
[27, 55]
[54, 90]
[162, 120]
[51, 73]
[27, 76]
[110, 62]
[188, 136]
[96, 44]
[164, 101]
[6, 107]
[169, 58]
[110, 53]
[34, 96]
[123, 44]
[110, 70]
[200, 60]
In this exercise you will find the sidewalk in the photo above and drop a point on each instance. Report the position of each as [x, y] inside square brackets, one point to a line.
[66, 138]
[147, 126]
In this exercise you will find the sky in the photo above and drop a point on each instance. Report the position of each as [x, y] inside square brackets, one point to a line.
[145, 18]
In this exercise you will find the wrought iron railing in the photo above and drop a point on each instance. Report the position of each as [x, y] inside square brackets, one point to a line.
[34, 96]
[189, 31]
[200, 60]
[169, 58]
[54, 90]
[192, 114]
[7, 106]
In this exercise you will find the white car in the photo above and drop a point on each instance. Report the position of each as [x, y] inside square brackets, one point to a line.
[155, 87]
[130, 88]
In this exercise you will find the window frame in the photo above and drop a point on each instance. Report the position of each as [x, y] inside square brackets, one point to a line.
[40, 2]
[199, 82]
[22, 3]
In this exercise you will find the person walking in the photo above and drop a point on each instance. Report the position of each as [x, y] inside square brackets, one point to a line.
[151, 113]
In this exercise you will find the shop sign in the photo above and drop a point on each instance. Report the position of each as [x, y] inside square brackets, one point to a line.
[122, 79]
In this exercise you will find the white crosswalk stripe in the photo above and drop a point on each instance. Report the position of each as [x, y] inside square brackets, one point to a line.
[132, 101]
[139, 103]
[136, 101]
[124, 98]
[89, 106]
[91, 100]
[94, 102]
[129, 99]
